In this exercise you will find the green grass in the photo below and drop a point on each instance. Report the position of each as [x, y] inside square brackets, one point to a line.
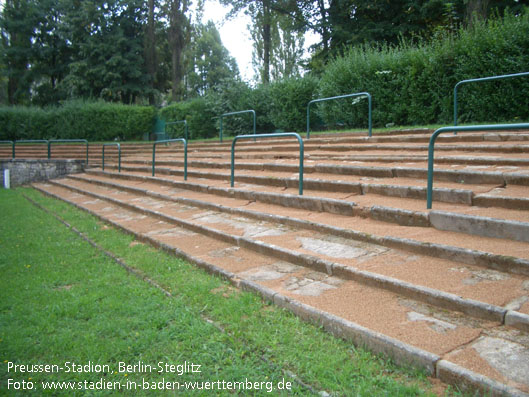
[62, 300]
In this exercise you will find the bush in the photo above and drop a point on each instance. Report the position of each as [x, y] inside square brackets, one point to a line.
[289, 100]
[97, 121]
[202, 113]
[414, 84]
[199, 118]
[279, 105]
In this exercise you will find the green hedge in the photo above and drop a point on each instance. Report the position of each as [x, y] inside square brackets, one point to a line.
[198, 115]
[414, 84]
[289, 100]
[279, 105]
[97, 121]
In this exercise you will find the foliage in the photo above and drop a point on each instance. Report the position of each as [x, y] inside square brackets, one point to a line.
[210, 62]
[285, 46]
[289, 100]
[108, 63]
[278, 105]
[413, 84]
[18, 22]
[128, 51]
[98, 121]
[196, 112]
[344, 23]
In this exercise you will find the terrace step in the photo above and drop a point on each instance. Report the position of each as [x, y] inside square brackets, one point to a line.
[351, 205]
[402, 184]
[324, 276]
[457, 176]
[234, 206]
[500, 147]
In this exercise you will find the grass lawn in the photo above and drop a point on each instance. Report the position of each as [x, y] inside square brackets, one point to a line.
[67, 308]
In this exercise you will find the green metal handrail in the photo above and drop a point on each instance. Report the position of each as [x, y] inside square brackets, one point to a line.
[505, 76]
[29, 141]
[179, 122]
[67, 141]
[119, 155]
[12, 147]
[439, 131]
[239, 112]
[340, 97]
[184, 141]
[278, 135]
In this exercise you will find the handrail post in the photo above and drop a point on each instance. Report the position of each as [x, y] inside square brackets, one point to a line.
[239, 112]
[500, 77]
[279, 135]
[470, 128]
[183, 140]
[119, 155]
[455, 102]
[254, 123]
[153, 157]
[369, 103]
[369, 110]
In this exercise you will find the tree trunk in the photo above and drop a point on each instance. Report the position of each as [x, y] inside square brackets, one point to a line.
[176, 39]
[325, 36]
[476, 9]
[267, 41]
[150, 50]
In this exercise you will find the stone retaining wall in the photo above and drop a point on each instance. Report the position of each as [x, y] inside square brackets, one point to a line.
[22, 172]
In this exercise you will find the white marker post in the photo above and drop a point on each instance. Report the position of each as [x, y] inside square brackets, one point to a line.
[6, 179]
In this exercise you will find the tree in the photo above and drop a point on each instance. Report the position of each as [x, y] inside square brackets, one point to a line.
[344, 23]
[270, 27]
[18, 22]
[107, 40]
[150, 48]
[179, 34]
[211, 63]
[261, 13]
[285, 48]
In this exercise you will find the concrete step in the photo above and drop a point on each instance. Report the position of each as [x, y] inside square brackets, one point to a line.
[410, 245]
[467, 249]
[348, 204]
[317, 251]
[392, 137]
[318, 183]
[340, 169]
[410, 322]
[500, 147]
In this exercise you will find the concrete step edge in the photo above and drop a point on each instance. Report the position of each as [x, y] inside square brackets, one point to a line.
[515, 203]
[447, 195]
[334, 206]
[478, 225]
